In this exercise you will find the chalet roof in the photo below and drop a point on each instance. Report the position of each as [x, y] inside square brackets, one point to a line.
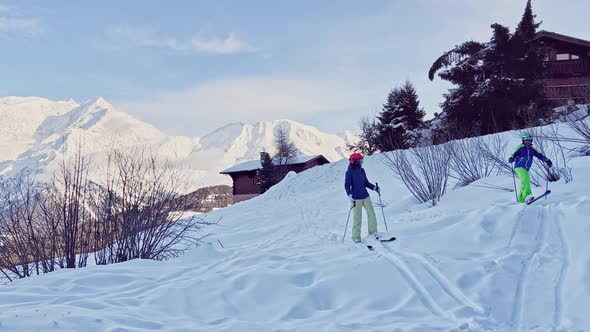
[556, 36]
[255, 164]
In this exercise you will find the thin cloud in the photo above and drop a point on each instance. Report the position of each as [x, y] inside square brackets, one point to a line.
[141, 37]
[216, 103]
[9, 23]
[229, 45]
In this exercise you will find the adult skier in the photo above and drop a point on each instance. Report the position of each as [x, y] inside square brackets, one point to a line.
[523, 160]
[356, 184]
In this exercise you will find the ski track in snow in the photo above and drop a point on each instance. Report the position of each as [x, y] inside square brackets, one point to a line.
[448, 287]
[558, 316]
[543, 270]
[517, 311]
[418, 287]
[411, 264]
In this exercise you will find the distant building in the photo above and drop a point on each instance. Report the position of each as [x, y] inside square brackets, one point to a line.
[245, 176]
[569, 59]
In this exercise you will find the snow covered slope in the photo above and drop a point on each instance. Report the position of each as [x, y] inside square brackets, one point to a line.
[36, 133]
[476, 262]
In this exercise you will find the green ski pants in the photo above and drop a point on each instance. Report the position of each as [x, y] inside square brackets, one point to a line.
[357, 217]
[525, 183]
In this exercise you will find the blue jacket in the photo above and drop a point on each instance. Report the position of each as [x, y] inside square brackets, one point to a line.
[523, 156]
[356, 183]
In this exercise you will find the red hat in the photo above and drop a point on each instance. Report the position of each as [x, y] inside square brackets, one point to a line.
[355, 156]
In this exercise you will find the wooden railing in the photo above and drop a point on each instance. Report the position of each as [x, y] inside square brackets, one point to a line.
[575, 92]
[568, 67]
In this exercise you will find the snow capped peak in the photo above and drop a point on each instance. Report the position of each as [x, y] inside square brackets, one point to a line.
[101, 102]
[222, 137]
[97, 104]
[288, 124]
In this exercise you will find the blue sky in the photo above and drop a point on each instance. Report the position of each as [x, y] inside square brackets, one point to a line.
[189, 67]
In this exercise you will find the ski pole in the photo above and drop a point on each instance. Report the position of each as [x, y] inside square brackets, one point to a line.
[381, 203]
[514, 180]
[347, 218]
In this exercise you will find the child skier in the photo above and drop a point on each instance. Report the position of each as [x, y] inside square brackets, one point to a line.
[523, 160]
[356, 185]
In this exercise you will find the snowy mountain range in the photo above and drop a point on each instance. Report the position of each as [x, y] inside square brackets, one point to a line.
[35, 133]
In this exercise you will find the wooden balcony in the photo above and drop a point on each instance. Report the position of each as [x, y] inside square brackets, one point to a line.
[570, 67]
[578, 93]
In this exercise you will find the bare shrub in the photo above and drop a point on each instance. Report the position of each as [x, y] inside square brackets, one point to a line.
[18, 229]
[286, 152]
[139, 211]
[65, 209]
[577, 118]
[367, 143]
[548, 142]
[426, 175]
[494, 148]
[467, 161]
[582, 128]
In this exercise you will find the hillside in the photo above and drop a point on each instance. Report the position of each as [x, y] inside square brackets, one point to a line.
[476, 262]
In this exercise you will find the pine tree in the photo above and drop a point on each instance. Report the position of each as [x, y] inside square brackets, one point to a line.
[266, 174]
[400, 119]
[527, 27]
[492, 81]
[531, 55]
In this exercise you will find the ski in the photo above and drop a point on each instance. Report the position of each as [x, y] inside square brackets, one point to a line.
[381, 238]
[534, 199]
[385, 237]
[370, 247]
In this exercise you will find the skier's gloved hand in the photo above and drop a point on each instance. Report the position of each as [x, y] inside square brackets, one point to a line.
[351, 199]
[510, 160]
[549, 162]
[377, 189]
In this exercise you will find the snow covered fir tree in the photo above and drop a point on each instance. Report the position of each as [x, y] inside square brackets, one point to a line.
[496, 84]
[401, 121]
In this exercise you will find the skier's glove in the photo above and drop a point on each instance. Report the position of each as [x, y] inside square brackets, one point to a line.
[510, 160]
[377, 189]
[549, 162]
[351, 199]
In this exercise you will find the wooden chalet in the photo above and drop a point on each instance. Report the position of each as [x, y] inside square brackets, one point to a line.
[245, 176]
[569, 59]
